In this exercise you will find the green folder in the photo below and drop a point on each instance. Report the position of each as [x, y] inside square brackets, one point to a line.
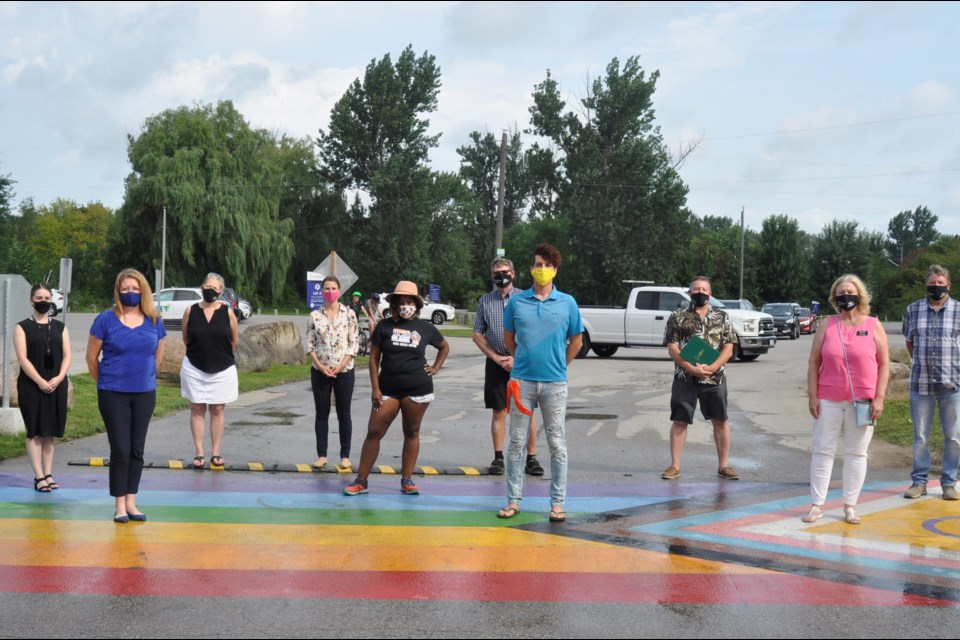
[698, 351]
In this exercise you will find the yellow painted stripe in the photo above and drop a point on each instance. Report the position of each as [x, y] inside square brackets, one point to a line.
[255, 466]
[429, 471]
[175, 464]
[134, 552]
[344, 469]
[470, 471]
[304, 468]
[386, 468]
[96, 462]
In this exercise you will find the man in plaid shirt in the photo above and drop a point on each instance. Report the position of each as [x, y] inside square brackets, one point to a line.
[932, 330]
[488, 335]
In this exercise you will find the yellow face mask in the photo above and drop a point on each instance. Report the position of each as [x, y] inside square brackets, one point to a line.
[543, 275]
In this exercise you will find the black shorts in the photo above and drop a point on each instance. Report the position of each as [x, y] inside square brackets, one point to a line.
[495, 381]
[684, 397]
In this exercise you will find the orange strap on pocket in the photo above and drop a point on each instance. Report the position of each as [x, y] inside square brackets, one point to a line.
[513, 391]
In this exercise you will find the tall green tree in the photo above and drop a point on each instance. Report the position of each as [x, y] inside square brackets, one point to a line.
[910, 231]
[620, 193]
[219, 181]
[840, 248]
[377, 142]
[480, 170]
[715, 252]
[783, 260]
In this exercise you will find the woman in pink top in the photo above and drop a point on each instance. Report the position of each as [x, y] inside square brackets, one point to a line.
[828, 389]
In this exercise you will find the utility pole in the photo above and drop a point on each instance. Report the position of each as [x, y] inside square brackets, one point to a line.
[163, 252]
[741, 252]
[501, 194]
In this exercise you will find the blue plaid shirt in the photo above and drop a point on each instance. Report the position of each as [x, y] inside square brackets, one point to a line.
[489, 320]
[936, 346]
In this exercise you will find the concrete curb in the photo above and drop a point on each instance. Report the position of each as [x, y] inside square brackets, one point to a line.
[187, 465]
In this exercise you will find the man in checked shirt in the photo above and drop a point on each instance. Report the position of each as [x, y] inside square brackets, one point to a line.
[488, 335]
[932, 330]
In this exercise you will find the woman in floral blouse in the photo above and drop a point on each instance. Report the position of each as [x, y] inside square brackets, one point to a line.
[332, 343]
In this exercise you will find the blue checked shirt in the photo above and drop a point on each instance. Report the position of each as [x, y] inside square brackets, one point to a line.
[489, 320]
[936, 346]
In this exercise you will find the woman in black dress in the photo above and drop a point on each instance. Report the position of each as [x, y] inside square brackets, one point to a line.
[43, 351]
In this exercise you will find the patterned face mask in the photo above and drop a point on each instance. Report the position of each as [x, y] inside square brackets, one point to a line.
[408, 311]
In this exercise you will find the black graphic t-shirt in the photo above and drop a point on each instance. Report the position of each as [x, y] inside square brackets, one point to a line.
[403, 346]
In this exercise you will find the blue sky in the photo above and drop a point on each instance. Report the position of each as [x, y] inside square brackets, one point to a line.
[819, 111]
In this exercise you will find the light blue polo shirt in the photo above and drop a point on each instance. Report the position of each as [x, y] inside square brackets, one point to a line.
[541, 328]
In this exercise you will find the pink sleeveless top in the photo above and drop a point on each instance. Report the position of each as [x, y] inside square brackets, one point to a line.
[861, 354]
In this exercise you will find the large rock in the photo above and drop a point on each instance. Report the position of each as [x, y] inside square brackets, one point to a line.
[282, 340]
[898, 371]
[12, 389]
[900, 354]
[251, 356]
[174, 351]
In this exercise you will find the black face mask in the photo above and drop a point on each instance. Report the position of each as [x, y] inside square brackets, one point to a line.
[700, 299]
[43, 306]
[209, 295]
[502, 280]
[936, 291]
[848, 302]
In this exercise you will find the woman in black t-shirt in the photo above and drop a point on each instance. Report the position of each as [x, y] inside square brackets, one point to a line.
[402, 382]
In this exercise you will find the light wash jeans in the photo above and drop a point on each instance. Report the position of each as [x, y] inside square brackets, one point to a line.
[551, 397]
[921, 410]
[835, 416]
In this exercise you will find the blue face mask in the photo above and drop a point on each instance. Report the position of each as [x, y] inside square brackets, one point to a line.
[130, 299]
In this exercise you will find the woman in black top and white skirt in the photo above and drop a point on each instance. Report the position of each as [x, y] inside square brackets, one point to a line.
[208, 376]
[43, 352]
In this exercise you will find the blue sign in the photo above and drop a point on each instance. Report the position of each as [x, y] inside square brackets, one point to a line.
[434, 294]
[815, 307]
[314, 291]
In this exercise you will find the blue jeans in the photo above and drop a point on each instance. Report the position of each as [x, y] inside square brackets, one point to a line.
[551, 397]
[921, 410]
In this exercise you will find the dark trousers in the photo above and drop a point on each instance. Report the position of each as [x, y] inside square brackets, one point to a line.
[342, 388]
[126, 416]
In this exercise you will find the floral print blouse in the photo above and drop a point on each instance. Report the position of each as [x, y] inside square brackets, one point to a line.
[331, 341]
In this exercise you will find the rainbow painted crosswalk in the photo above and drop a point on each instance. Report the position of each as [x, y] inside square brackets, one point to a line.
[247, 535]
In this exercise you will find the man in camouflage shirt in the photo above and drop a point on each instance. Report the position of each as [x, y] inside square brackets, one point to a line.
[703, 383]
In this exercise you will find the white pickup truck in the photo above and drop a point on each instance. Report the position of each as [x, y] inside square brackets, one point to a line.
[642, 322]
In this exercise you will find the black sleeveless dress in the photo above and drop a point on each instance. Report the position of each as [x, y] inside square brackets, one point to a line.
[44, 414]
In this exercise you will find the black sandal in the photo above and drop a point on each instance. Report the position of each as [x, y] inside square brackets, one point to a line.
[36, 485]
[198, 462]
[51, 482]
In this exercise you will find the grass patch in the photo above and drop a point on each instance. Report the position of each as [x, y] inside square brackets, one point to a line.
[84, 419]
[451, 332]
[896, 426]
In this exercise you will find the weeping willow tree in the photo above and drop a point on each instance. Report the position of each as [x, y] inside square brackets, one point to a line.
[219, 181]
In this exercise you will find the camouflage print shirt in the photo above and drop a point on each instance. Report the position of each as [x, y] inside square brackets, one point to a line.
[716, 329]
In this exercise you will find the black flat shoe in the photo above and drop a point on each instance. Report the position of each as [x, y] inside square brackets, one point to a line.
[121, 519]
[138, 517]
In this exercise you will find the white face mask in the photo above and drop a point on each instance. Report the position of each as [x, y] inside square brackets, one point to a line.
[408, 311]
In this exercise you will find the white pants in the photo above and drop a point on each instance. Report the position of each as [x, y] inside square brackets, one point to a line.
[835, 416]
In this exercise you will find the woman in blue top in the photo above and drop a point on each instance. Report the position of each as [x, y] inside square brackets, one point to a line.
[130, 337]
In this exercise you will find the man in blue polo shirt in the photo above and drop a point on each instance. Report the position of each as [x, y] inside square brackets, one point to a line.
[542, 330]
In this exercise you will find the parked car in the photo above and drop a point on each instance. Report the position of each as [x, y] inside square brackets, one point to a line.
[435, 312]
[246, 309]
[231, 297]
[784, 318]
[743, 304]
[174, 302]
[57, 298]
[806, 320]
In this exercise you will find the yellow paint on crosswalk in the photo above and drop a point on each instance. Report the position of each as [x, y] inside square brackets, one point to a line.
[384, 468]
[304, 468]
[175, 464]
[255, 466]
[470, 471]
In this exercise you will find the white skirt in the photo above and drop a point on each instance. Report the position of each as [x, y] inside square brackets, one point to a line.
[200, 387]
